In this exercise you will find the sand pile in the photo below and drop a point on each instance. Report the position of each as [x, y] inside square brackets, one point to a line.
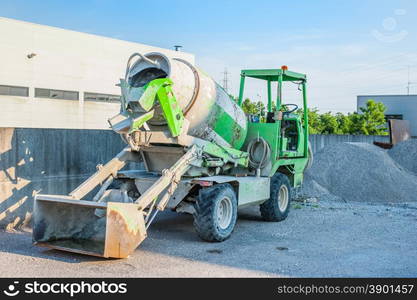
[359, 172]
[405, 154]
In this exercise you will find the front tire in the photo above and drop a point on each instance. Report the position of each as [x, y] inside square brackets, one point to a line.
[215, 213]
[277, 207]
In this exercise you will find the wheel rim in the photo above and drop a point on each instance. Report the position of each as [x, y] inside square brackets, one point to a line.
[283, 198]
[224, 213]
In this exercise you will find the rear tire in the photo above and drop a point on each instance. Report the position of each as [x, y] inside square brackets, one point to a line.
[215, 213]
[277, 207]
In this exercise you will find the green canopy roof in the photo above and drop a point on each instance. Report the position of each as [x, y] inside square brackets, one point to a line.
[273, 74]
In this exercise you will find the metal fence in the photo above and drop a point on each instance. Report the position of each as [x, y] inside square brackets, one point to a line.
[319, 141]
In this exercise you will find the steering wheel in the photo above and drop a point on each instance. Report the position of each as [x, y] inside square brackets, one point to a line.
[288, 111]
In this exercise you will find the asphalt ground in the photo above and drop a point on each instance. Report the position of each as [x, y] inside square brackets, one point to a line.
[318, 239]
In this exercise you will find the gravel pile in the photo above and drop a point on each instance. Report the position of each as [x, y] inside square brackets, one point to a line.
[358, 172]
[405, 154]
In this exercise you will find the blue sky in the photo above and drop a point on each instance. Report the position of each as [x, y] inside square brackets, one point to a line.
[345, 47]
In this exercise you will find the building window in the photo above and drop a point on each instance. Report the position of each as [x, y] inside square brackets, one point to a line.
[56, 94]
[101, 97]
[393, 117]
[14, 90]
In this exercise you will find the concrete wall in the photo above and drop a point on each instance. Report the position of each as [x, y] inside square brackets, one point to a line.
[405, 105]
[319, 141]
[55, 161]
[64, 60]
[52, 161]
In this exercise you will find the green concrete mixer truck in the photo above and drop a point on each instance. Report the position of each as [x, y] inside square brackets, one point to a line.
[201, 154]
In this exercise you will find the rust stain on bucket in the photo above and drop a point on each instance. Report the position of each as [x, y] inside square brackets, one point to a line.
[125, 229]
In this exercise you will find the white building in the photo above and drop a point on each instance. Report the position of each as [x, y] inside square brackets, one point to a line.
[403, 107]
[56, 78]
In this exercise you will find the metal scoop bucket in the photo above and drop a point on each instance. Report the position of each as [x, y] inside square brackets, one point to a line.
[74, 225]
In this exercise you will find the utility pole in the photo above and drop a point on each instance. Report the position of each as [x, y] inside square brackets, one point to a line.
[409, 83]
[177, 47]
[226, 80]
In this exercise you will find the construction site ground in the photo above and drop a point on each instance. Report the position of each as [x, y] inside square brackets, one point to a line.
[319, 238]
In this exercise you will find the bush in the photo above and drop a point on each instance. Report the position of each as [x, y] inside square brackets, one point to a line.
[371, 120]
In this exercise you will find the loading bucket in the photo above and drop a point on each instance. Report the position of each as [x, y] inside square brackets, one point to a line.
[111, 230]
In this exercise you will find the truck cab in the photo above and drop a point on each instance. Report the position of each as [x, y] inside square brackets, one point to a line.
[284, 127]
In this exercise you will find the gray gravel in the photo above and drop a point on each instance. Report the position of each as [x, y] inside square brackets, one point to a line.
[405, 154]
[323, 238]
[359, 172]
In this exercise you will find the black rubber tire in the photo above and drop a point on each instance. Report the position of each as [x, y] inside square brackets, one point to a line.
[270, 209]
[205, 216]
[125, 184]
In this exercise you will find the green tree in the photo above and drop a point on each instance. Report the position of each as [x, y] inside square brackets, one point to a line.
[328, 124]
[344, 123]
[356, 121]
[314, 122]
[260, 108]
[249, 107]
[373, 119]
[254, 108]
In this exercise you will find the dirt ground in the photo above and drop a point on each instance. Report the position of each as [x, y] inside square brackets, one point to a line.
[318, 239]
